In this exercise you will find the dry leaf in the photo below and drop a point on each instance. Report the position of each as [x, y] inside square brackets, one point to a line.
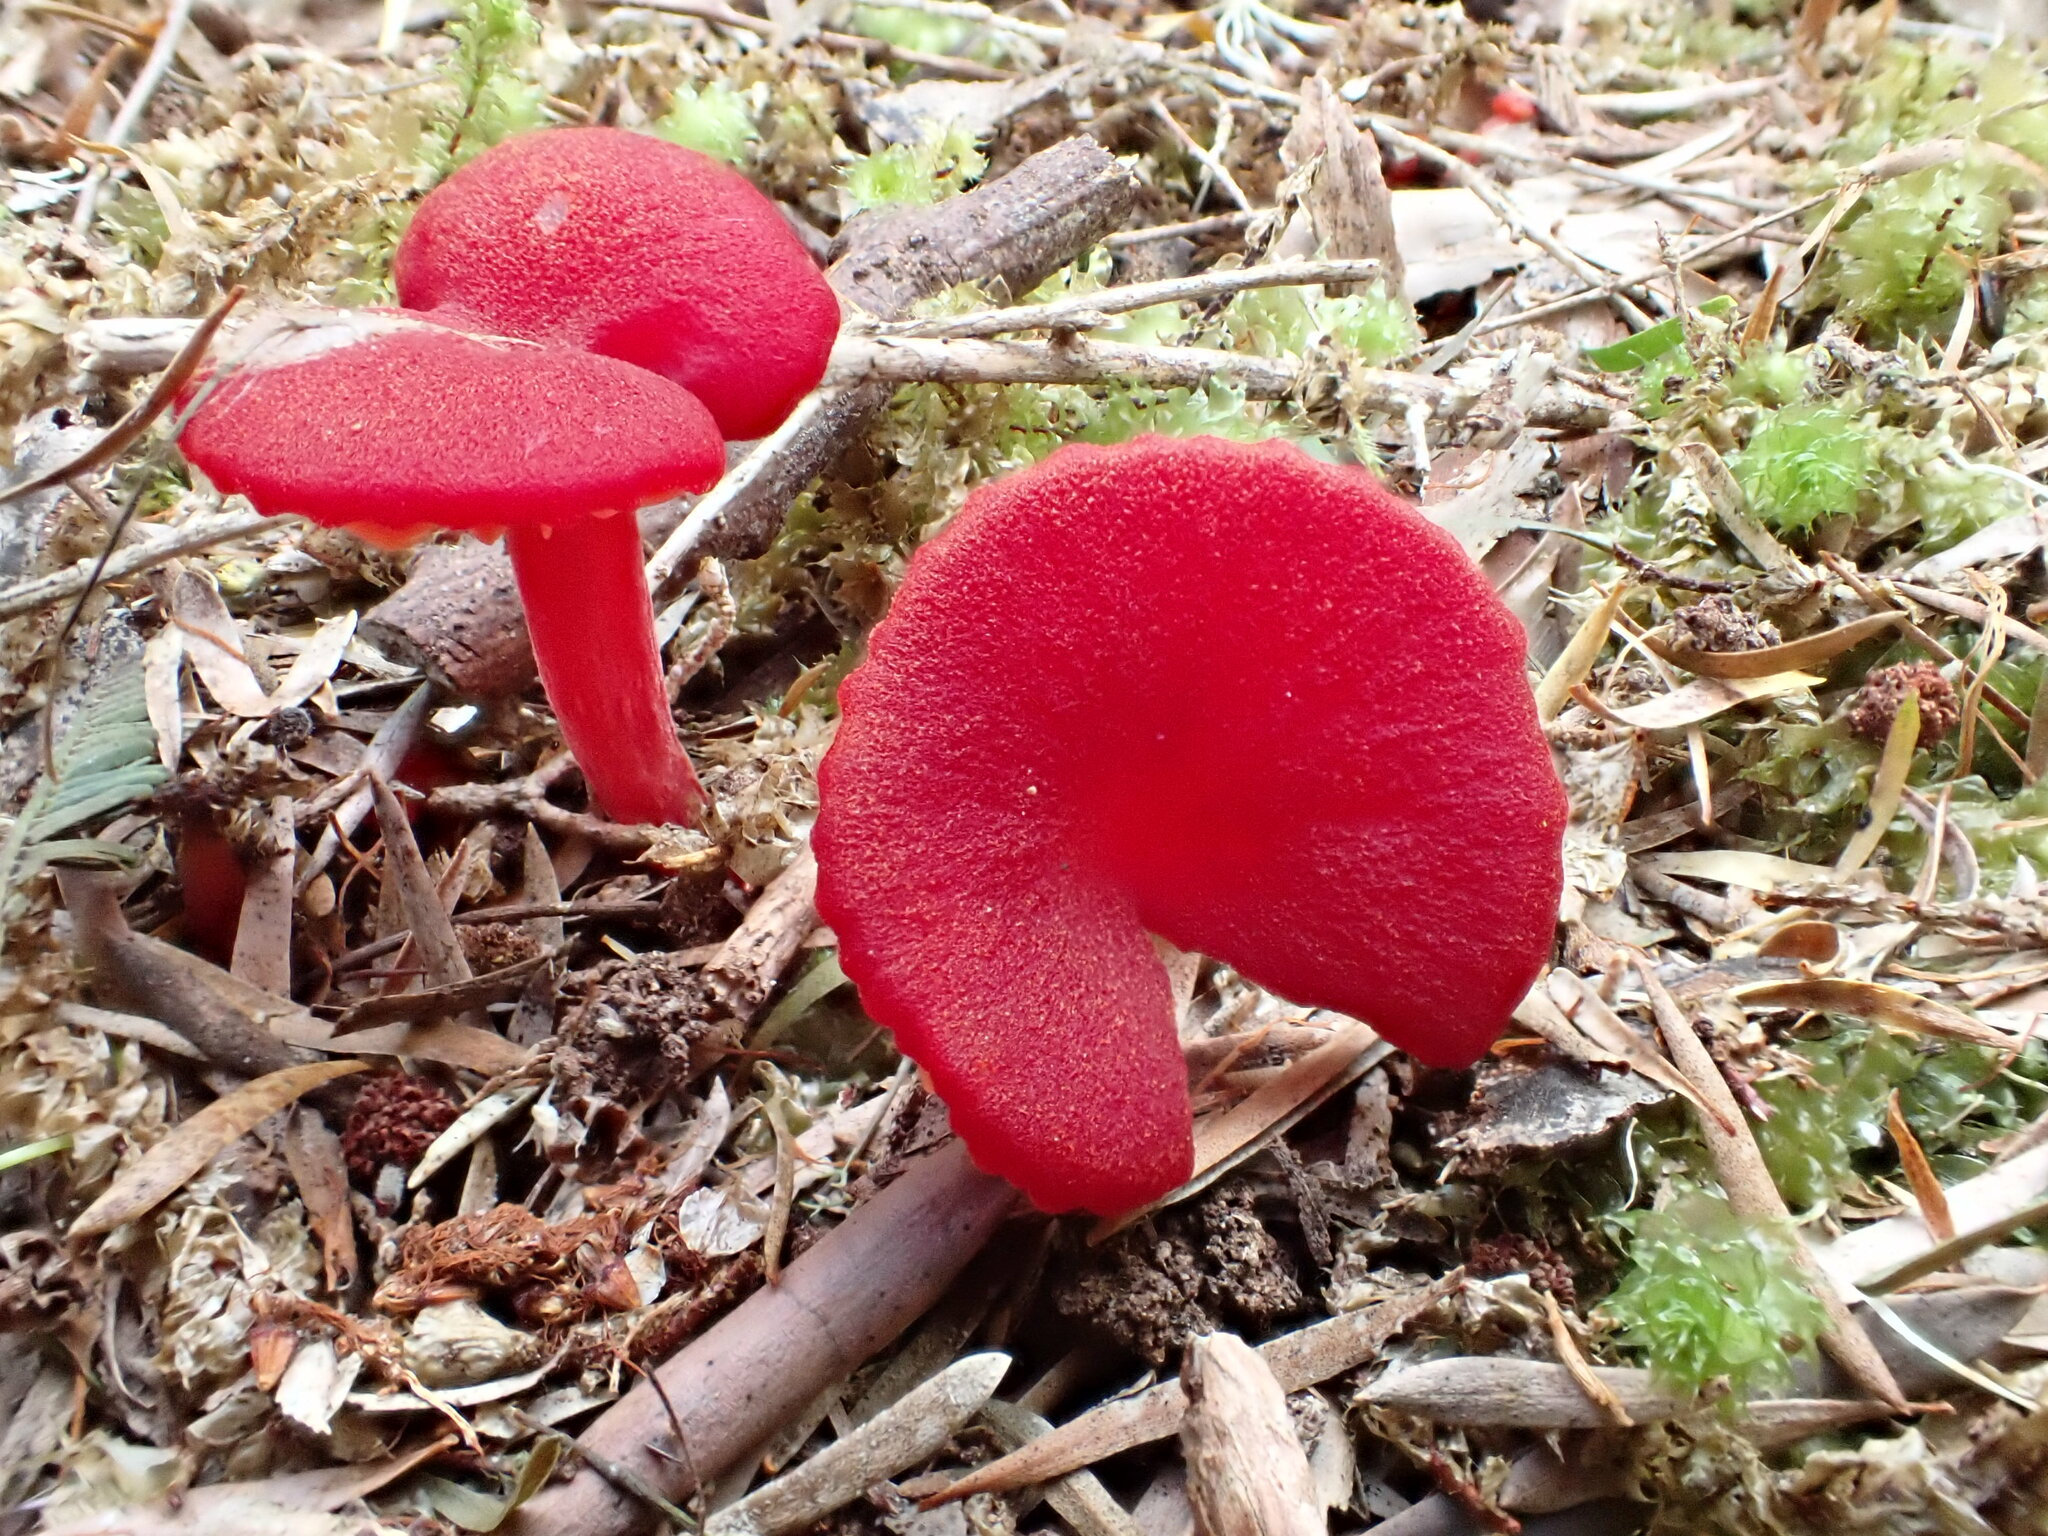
[314, 666]
[1706, 697]
[1872, 1002]
[210, 637]
[313, 1154]
[1793, 656]
[164, 1169]
[1247, 1472]
[433, 935]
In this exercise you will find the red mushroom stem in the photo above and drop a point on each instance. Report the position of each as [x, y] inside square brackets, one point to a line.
[592, 624]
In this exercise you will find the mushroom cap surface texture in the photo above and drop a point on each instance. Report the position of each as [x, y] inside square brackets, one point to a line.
[1225, 694]
[635, 248]
[399, 425]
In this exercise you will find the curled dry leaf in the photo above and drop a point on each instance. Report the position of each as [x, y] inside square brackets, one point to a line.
[1793, 656]
[1874, 1003]
[1706, 697]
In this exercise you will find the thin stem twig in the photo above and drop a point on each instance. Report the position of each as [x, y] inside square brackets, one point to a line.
[162, 54]
[1534, 154]
[1517, 224]
[1083, 310]
[1691, 254]
[1205, 157]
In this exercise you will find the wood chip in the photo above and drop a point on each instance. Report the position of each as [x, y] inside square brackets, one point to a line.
[1247, 1473]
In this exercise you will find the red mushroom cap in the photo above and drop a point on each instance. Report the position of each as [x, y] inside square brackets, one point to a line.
[1225, 694]
[635, 248]
[393, 426]
[353, 417]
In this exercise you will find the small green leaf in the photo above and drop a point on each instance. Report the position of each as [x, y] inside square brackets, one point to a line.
[1647, 346]
[1643, 347]
[28, 1152]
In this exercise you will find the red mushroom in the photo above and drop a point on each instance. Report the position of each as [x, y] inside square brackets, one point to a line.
[635, 248]
[394, 427]
[1228, 695]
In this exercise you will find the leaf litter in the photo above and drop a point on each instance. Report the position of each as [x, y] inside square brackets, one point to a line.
[1719, 338]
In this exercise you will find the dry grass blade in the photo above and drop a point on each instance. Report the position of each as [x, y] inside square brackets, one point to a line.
[1575, 662]
[1900, 1249]
[1887, 789]
[1574, 1360]
[1920, 1174]
[166, 1167]
[1704, 698]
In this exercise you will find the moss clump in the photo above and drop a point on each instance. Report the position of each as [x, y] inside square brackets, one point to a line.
[1829, 1111]
[1372, 325]
[713, 119]
[915, 174]
[916, 30]
[1804, 464]
[1711, 1294]
[1771, 376]
[1900, 266]
[1953, 501]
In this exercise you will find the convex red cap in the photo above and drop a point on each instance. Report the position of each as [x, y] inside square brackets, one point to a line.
[1225, 694]
[370, 419]
[635, 248]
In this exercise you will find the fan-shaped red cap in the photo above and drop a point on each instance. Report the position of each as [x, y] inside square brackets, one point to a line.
[635, 248]
[1228, 695]
[393, 426]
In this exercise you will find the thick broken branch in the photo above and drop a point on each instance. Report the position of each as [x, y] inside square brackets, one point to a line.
[850, 1294]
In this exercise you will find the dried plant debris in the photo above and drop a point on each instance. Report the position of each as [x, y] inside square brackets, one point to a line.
[388, 1141]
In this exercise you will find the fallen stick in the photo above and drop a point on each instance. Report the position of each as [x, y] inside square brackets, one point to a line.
[848, 1296]
[1299, 1359]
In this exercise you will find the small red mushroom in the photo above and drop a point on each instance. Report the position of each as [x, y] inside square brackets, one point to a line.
[1225, 694]
[629, 246]
[393, 427]
[1512, 104]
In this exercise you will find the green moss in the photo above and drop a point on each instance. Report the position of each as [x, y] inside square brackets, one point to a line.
[1952, 502]
[1372, 325]
[1804, 464]
[915, 174]
[915, 30]
[494, 45]
[1710, 1294]
[1771, 376]
[1899, 265]
[713, 120]
[1830, 1112]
